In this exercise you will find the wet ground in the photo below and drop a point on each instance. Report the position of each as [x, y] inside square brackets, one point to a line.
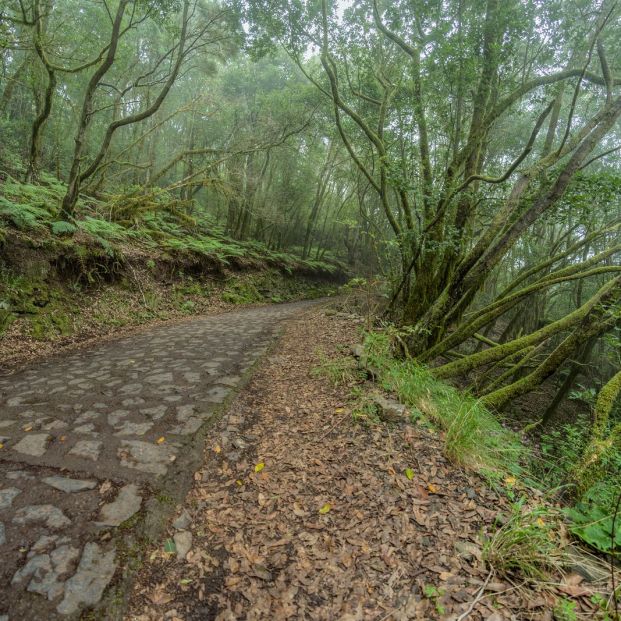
[88, 438]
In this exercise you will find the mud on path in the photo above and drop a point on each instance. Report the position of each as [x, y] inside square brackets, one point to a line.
[101, 440]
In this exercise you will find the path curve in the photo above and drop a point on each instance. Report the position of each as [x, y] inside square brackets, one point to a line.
[89, 438]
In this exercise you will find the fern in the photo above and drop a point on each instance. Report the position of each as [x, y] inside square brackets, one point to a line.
[61, 227]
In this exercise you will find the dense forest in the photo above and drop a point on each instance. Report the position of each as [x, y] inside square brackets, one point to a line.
[460, 158]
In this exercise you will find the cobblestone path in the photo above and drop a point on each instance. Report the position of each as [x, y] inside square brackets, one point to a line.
[88, 437]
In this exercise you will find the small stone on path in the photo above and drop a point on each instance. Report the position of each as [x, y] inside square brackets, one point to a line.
[7, 495]
[34, 444]
[183, 543]
[65, 484]
[183, 521]
[87, 449]
[87, 585]
[50, 515]
[122, 508]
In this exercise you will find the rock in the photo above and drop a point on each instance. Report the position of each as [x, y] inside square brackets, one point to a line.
[183, 521]
[183, 543]
[390, 410]
[33, 444]
[48, 571]
[87, 585]
[128, 428]
[50, 515]
[217, 394]
[87, 449]
[65, 484]
[18, 474]
[7, 495]
[43, 544]
[2, 534]
[127, 502]
[329, 312]
[358, 351]
[145, 456]
[240, 444]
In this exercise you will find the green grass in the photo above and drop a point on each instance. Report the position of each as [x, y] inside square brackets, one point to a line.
[472, 434]
[527, 545]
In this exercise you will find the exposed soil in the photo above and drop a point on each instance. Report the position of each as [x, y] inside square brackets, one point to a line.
[299, 512]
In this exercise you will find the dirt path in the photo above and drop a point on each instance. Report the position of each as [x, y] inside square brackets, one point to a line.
[301, 513]
[105, 437]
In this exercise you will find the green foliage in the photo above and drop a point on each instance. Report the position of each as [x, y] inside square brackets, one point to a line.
[473, 435]
[339, 371]
[565, 610]
[527, 544]
[591, 516]
[61, 227]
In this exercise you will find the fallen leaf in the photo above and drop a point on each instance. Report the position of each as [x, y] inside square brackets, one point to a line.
[104, 487]
[1, 445]
[339, 410]
[510, 480]
[170, 547]
[432, 488]
[217, 449]
[325, 508]
[540, 522]
[27, 428]
[409, 473]
[298, 511]
[239, 482]
[159, 596]
[259, 467]
[161, 440]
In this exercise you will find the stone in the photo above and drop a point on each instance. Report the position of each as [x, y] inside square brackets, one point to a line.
[154, 413]
[55, 424]
[87, 449]
[18, 474]
[43, 544]
[87, 585]
[50, 515]
[7, 495]
[133, 429]
[88, 429]
[217, 394]
[240, 443]
[127, 502]
[184, 412]
[48, 571]
[390, 410]
[183, 521]
[229, 380]
[183, 543]
[65, 484]
[145, 456]
[33, 444]
[2, 534]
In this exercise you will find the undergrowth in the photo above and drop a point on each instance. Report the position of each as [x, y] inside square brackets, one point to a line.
[472, 435]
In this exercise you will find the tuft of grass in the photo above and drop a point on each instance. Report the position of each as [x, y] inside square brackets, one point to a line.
[473, 436]
[338, 371]
[528, 545]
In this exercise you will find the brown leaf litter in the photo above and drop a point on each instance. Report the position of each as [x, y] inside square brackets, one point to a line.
[331, 526]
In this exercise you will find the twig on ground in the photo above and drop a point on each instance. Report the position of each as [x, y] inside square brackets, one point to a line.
[477, 597]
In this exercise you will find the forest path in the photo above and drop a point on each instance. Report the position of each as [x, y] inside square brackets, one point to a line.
[95, 438]
[301, 512]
